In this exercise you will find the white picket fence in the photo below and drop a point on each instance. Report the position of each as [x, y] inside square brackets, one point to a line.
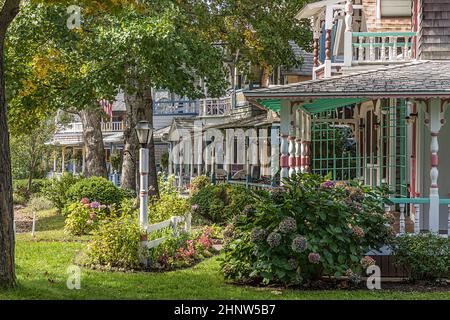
[173, 223]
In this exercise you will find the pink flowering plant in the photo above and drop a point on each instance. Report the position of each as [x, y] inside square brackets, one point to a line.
[308, 228]
[85, 216]
[183, 250]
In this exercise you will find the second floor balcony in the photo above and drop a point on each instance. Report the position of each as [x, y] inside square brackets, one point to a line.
[77, 127]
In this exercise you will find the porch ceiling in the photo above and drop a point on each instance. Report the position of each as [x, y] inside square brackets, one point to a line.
[418, 79]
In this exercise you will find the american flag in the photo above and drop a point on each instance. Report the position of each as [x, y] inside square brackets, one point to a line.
[107, 107]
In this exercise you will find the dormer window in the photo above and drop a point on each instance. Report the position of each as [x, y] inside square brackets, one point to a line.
[394, 8]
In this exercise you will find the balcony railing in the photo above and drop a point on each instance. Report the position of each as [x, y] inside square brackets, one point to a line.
[378, 47]
[176, 107]
[114, 126]
[77, 127]
[216, 107]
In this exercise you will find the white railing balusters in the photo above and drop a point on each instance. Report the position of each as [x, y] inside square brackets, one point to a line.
[378, 47]
[394, 47]
[361, 49]
[417, 218]
[406, 49]
[383, 49]
[371, 49]
[402, 218]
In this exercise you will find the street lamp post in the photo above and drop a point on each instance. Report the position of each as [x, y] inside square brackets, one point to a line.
[144, 132]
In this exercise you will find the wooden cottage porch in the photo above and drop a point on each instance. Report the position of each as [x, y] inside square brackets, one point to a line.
[376, 126]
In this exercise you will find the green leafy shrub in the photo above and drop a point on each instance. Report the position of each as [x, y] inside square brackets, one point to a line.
[85, 216]
[20, 187]
[182, 251]
[425, 256]
[96, 189]
[116, 244]
[18, 199]
[199, 183]
[57, 189]
[128, 193]
[169, 203]
[219, 203]
[308, 228]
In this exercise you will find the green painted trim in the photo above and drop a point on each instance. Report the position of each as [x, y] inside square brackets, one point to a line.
[384, 34]
[417, 201]
[380, 45]
[319, 105]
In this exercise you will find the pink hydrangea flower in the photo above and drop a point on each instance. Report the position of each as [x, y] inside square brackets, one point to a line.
[84, 201]
[359, 232]
[367, 262]
[314, 257]
[94, 205]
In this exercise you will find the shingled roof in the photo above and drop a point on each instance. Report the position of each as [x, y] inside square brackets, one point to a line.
[415, 79]
[434, 30]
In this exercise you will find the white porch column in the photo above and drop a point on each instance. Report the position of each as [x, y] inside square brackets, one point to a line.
[191, 161]
[274, 151]
[180, 174]
[198, 145]
[306, 143]
[435, 122]
[54, 161]
[292, 143]
[285, 114]
[63, 160]
[328, 27]
[170, 164]
[298, 141]
[74, 161]
[348, 49]
[229, 151]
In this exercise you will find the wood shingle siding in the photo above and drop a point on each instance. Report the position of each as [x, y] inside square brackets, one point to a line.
[434, 30]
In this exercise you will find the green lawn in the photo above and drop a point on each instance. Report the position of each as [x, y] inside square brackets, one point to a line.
[42, 263]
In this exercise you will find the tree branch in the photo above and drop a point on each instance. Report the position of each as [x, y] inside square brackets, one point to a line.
[7, 14]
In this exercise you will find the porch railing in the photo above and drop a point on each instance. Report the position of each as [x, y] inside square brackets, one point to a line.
[77, 127]
[415, 203]
[176, 107]
[378, 47]
[216, 107]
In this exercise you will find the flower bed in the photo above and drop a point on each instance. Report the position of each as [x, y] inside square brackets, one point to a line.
[184, 250]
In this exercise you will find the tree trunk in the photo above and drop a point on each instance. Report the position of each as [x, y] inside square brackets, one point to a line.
[265, 76]
[93, 141]
[139, 105]
[7, 272]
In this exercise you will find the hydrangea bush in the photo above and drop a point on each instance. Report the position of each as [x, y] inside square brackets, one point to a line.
[85, 216]
[308, 228]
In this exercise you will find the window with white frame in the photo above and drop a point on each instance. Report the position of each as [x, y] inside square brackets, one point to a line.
[394, 8]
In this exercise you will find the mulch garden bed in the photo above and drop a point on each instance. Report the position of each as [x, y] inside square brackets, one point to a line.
[24, 221]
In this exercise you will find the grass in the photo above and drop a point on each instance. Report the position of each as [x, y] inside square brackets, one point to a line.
[41, 266]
